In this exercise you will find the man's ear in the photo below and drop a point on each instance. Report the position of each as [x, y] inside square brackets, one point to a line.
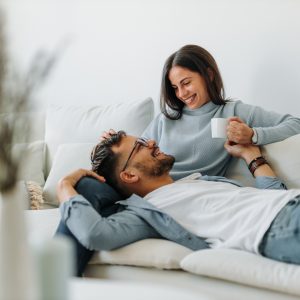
[129, 177]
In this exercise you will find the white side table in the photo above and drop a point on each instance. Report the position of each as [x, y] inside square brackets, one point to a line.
[95, 289]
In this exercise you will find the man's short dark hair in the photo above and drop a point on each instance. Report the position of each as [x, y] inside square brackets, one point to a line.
[105, 161]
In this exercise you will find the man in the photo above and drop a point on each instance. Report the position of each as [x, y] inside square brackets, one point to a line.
[209, 211]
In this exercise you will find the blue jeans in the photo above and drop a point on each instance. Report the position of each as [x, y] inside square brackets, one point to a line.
[282, 240]
[103, 198]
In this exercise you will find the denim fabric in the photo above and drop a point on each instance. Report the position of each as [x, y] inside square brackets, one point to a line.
[103, 198]
[282, 240]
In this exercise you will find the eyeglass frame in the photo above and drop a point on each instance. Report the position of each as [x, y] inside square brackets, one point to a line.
[139, 141]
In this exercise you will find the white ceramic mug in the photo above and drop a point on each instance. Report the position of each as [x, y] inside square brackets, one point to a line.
[219, 128]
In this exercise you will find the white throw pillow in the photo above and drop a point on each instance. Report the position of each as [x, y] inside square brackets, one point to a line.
[156, 253]
[31, 157]
[68, 157]
[74, 124]
[283, 157]
[244, 267]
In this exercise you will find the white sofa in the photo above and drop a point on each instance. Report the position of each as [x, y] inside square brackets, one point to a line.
[62, 141]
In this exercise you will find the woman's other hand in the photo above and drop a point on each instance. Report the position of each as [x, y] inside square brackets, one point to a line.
[107, 134]
[238, 131]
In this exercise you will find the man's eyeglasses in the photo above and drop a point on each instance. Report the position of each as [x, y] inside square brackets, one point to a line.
[140, 141]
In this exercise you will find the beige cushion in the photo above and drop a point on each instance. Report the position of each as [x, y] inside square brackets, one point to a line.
[85, 124]
[283, 157]
[35, 194]
[156, 253]
[244, 267]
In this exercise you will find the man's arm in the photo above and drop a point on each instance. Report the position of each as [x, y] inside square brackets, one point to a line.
[248, 153]
[264, 174]
[92, 230]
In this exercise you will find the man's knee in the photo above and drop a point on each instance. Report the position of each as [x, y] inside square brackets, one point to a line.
[99, 194]
[90, 185]
[86, 183]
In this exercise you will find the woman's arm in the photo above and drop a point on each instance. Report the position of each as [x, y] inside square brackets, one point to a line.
[270, 126]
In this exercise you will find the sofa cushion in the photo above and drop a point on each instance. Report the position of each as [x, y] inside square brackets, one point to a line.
[74, 124]
[156, 253]
[68, 157]
[244, 267]
[42, 223]
[283, 157]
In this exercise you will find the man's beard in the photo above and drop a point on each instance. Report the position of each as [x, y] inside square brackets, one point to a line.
[161, 166]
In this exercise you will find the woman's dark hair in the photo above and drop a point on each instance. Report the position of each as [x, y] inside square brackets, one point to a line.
[196, 59]
[105, 162]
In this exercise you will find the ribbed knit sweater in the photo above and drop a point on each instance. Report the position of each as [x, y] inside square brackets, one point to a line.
[189, 138]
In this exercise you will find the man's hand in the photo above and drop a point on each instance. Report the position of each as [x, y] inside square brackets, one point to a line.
[65, 187]
[238, 131]
[107, 134]
[246, 152]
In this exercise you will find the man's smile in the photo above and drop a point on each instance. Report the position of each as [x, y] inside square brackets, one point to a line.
[156, 152]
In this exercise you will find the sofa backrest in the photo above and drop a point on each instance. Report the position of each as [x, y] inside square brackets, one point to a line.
[85, 124]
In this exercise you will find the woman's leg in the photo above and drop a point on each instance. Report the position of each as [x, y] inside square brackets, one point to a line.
[103, 198]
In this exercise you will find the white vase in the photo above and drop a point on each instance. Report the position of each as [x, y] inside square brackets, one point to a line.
[16, 272]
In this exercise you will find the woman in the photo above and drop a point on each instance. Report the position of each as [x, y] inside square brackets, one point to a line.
[192, 93]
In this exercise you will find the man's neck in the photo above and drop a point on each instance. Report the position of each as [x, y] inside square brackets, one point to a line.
[147, 186]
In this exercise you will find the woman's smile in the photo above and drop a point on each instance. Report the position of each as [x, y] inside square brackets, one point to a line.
[189, 87]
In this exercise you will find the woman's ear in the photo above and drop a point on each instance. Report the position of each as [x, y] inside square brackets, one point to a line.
[210, 74]
[129, 177]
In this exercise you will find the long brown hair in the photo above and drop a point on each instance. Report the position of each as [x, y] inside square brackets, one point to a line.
[196, 59]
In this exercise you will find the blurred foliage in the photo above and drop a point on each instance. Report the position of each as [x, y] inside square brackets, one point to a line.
[15, 94]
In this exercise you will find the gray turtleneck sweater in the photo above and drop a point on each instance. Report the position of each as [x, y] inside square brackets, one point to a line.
[189, 138]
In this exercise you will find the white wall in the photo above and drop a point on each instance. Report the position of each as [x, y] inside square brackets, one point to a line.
[116, 48]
